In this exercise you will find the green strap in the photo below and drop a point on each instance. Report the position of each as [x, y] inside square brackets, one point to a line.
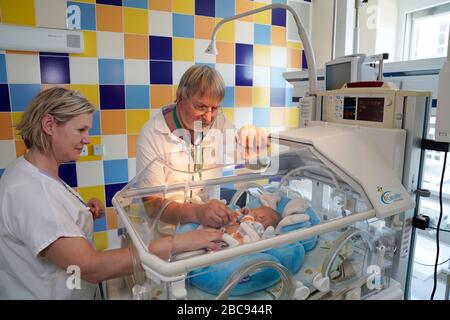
[175, 119]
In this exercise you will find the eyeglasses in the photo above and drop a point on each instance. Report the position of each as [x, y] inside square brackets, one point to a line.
[204, 109]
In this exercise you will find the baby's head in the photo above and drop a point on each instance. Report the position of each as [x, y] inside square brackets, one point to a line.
[264, 215]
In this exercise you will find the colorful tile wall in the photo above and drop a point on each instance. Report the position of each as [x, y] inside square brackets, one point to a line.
[135, 54]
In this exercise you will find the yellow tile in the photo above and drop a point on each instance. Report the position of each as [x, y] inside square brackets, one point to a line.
[90, 45]
[291, 117]
[183, 6]
[92, 140]
[229, 114]
[88, 193]
[101, 240]
[16, 117]
[136, 120]
[18, 12]
[135, 20]
[183, 49]
[261, 55]
[261, 97]
[89, 91]
[294, 45]
[264, 17]
[226, 31]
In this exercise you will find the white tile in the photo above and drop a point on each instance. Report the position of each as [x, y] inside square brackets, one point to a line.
[261, 76]
[110, 45]
[83, 70]
[114, 241]
[244, 32]
[228, 73]
[160, 23]
[200, 55]
[131, 168]
[7, 152]
[137, 71]
[178, 69]
[90, 173]
[243, 116]
[23, 68]
[50, 13]
[116, 147]
[278, 57]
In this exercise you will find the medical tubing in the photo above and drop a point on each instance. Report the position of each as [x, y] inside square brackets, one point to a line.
[288, 286]
[321, 168]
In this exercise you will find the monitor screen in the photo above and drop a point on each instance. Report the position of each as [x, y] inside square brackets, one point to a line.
[370, 109]
[337, 74]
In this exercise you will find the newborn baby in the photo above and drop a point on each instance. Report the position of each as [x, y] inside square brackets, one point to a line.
[251, 225]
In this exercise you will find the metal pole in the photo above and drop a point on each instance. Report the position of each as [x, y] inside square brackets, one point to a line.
[333, 34]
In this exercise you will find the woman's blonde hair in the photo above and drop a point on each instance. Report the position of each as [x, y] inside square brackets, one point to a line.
[63, 104]
[201, 79]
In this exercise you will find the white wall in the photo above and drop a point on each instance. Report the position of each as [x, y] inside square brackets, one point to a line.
[322, 26]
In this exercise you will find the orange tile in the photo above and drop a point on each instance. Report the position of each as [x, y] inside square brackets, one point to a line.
[113, 121]
[136, 46]
[294, 58]
[243, 96]
[20, 148]
[160, 95]
[22, 52]
[226, 52]
[109, 18]
[162, 5]
[243, 6]
[204, 27]
[6, 131]
[52, 85]
[111, 218]
[132, 140]
[278, 36]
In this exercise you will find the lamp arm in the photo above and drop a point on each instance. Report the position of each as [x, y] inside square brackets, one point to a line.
[310, 58]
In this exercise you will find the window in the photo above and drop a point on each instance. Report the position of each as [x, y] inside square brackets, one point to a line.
[428, 32]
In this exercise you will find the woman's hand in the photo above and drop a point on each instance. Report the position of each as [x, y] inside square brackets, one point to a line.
[214, 213]
[203, 238]
[97, 208]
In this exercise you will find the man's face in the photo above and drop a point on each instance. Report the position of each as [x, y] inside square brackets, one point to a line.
[198, 108]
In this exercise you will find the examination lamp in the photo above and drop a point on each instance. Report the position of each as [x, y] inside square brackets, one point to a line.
[212, 49]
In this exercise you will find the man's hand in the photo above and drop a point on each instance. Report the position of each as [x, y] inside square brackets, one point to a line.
[215, 214]
[97, 208]
[252, 141]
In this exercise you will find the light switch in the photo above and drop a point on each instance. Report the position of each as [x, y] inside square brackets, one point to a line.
[99, 149]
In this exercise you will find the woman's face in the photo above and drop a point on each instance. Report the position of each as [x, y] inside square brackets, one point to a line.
[69, 138]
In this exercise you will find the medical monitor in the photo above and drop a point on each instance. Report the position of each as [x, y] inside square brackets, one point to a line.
[341, 71]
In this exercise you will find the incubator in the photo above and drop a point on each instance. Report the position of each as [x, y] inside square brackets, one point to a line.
[332, 190]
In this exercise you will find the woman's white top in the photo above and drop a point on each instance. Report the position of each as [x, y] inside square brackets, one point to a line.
[36, 210]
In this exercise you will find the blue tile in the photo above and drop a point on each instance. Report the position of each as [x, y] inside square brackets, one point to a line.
[112, 97]
[1, 172]
[160, 72]
[304, 61]
[182, 25]
[276, 77]
[54, 69]
[279, 1]
[261, 117]
[244, 54]
[289, 96]
[434, 103]
[225, 8]
[68, 173]
[87, 14]
[53, 54]
[205, 8]
[135, 3]
[95, 130]
[111, 2]
[262, 34]
[279, 17]
[228, 100]
[100, 224]
[22, 94]
[277, 97]
[111, 71]
[244, 75]
[111, 190]
[3, 77]
[137, 97]
[115, 171]
[5, 105]
[160, 48]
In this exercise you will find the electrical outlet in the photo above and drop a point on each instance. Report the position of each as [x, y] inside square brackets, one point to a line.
[99, 149]
[85, 151]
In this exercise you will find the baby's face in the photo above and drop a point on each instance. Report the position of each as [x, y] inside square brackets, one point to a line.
[266, 216]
